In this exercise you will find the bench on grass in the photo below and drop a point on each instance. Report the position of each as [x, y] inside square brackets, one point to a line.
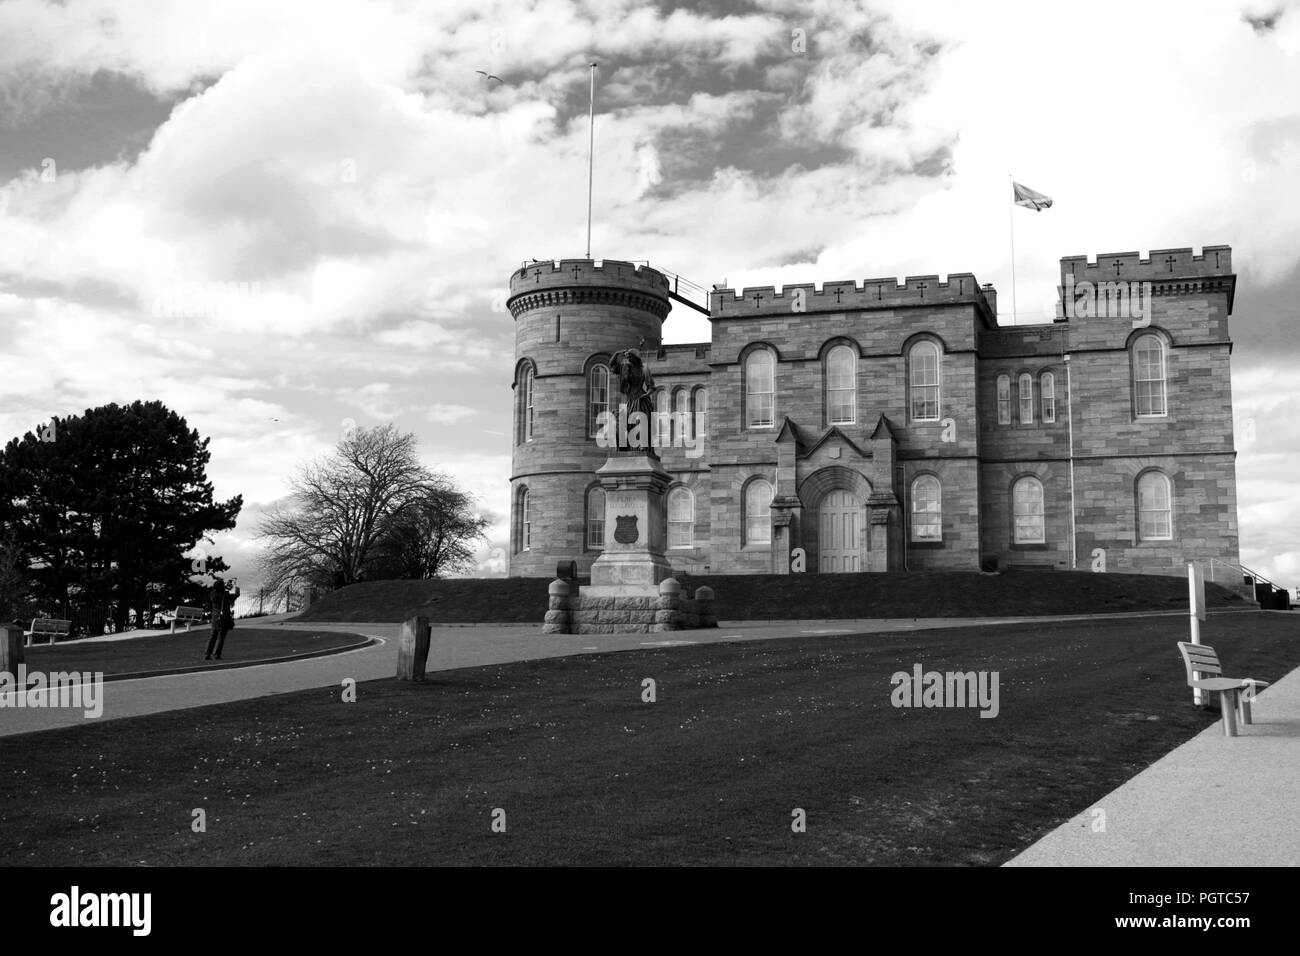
[51, 627]
[1204, 660]
[189, 616]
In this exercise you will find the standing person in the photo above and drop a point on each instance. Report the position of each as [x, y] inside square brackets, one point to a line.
[223, 616]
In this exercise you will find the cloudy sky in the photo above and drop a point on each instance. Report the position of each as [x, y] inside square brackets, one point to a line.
[277, 217]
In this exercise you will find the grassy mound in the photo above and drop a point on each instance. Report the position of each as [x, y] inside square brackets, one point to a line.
[789, 596]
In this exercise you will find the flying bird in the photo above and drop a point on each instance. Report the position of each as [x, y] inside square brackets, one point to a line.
[490, 76]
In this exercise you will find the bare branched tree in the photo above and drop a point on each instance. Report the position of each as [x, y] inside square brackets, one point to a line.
[338, 525]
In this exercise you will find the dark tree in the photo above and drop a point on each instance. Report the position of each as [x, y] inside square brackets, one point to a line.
[104, 506]
[370, 509]
[432, 536]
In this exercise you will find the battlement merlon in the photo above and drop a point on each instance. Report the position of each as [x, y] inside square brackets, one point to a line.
[609, 273]
[888, 293]
[1161, 266]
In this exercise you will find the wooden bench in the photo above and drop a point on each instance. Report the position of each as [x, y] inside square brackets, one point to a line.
[189, 616]
[1202, 659]
[50, 627]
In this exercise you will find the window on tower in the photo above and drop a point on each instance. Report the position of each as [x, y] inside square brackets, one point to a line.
[599, 398]
[758, 512]
[924, 376]
[1027, 507]
[1026, 389]
[1149, 376]
[1047, 386]
[681, 518]
[841, 385]
[1155, 512]
[1004, 399]
[927, 509]
[760, 389]
[596, 519]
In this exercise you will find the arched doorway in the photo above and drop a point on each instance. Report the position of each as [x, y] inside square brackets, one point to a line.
[839, 539]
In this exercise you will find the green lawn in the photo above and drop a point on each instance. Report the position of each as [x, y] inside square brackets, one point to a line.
[587, 773]
[181, 651]
[783, 596]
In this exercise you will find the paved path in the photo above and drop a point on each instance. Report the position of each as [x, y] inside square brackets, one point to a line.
[1216, 800]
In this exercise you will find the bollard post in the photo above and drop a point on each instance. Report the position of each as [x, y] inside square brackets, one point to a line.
[11, 648]
[413, 648]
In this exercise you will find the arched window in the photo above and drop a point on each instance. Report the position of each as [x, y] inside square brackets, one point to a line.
[927, 509]
[1025, 387]
[841, 385]
[1004, 399]
[596, 519]
[1027, 506]
[760, 389]
[701, 412]
[1155, 512]
[682, 415]
[1047, 386]
[663, 436]
[599, 397]
[1149, 376]
[525, 522]
[924, 377]
[681, 518]
[758, 513]
[528, 404]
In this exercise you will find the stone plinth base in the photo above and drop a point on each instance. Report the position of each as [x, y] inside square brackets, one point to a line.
[627, 609]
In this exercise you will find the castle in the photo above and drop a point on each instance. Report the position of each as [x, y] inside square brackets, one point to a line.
[886, 425]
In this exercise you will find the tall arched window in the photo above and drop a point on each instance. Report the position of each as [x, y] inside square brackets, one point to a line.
[598, 398]
[1149, 376]
[681, 518]
[841, 385]
[1155, 511]
[1027, 506]
[1047, 386]
[760, 389]
[682, 415]
[758, 512]
[1026, 390]
[525, 522]
[927, 509]
[596, 519]
[663, 436]
[924, 377]
[528, 404]
[1004, 399]
[701, 411]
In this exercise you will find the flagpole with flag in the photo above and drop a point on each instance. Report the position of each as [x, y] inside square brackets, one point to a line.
[1030, 199]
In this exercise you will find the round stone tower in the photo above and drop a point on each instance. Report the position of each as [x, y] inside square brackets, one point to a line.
[569, 317]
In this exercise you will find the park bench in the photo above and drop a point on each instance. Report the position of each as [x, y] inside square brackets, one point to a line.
[189, 616]
[1202, 659]
[51, 627]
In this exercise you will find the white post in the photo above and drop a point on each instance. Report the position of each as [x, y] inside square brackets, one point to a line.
[1196, 610]
[1069, 419]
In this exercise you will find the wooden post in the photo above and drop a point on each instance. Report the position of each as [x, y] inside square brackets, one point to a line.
[1196, 607]
[413, 649]
[11, 648]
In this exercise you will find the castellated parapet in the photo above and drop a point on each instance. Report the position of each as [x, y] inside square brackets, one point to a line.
[887, 293]
[588, 282]
[1170, 271]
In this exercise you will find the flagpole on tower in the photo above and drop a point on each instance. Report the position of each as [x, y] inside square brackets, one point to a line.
[591, 152]
[1012, 213]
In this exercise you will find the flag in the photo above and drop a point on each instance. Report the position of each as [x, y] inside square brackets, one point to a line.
[1024, 196]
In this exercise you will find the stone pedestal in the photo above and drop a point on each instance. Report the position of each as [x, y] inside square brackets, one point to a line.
[636, 527]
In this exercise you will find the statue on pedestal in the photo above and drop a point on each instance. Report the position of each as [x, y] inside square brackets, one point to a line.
[637, 386]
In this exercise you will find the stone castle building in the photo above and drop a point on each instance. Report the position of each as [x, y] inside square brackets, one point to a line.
[889, 425]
